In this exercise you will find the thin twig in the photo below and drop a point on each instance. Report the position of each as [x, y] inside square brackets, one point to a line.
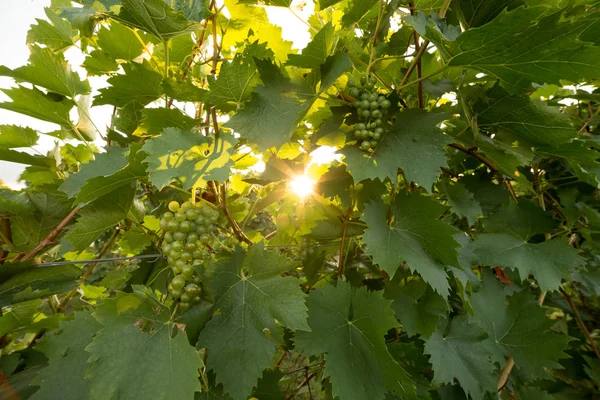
[580, 322]
[51, 236]
[505, 374]
[589, 121]
[473, 153]
[238, 233]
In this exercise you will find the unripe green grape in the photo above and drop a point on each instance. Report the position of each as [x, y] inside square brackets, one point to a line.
[197, 255]
[366, 113]
[355, 92]
[374, 105]
[197, 298]
[357, 135]
[183, 306]
[175, 253]
[171, 261]
[205, 238]
[192, 237]
[363, 80]
[378, 122]
[186, 256]
[198, 261]
[196, 279]
[190, 247]
[372, 80]
[369, 86]
[365, 145]
[372, 144]
[179, 264]
[168, 216]
[166, 248]
[192, 289]
[376, 136]
[173, 206]
[176, 293]
[178, 282]
[214, 219]
[185, 297]
[185, 226]
[168, 238]
[179, 235]
[200, 229]
[177, 245]
[187, 206]
[365, 104]
[180, 217]
[351, 83]
[360, 126]
[206, 211]
[386, 104]
[191, 214]
[379, 130]
[164, 224]
[369, 134]
[372, 97]
[376, 114]
[364, 96]
[381, 98]
[187, 272]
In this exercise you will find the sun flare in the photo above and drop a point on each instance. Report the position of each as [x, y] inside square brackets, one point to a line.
[302, 186]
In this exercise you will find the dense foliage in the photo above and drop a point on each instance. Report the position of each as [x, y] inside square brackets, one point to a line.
[449, 250]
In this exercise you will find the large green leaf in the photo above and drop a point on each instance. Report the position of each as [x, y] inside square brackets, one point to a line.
[507, 245]
[126, 362]
[414, 144]
[317, 51]
[37, 104]
[139, 84]
[462, 352]
[155, 120]
[415, 236]
[189, 157]
[119, 42]
[519, 328]
[13, 136]
[417, 306]
[49, 70]
[156, 17]
[235, 82]
[252, 296]
[34, 283]
[56, 33]
[348, 326]
[462, 201]
[99, 216]
[64, 377]
[475, 13]
[528, 45]
[529, 122]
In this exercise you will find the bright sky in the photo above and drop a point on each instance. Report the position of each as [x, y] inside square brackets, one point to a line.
[17, 15]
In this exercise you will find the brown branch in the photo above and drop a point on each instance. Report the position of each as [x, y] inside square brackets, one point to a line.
[7, 232]
[505, 374]
[51, 236]
[473, 153]
[340, 270]
[418, 63]
[580, 322]
[88, 271]
[215, 42]
[237, 232]
[270, 235]
[7, 388]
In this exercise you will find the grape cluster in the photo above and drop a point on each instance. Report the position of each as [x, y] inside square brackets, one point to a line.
[371, 108]
[187, 230]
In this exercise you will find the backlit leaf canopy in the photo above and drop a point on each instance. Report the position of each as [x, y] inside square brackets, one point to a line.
[276, 200]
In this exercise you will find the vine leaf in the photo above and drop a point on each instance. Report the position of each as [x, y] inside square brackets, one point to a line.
[56, 33]
[37, 104]
[519, 328]
[274, 112]
[13, 136]
[235, 83]
[49, 70]
[529, 122]
[348, 325]
[100, 215]
[415, 237]
[480, 12]
[119, 42]
[462, 201]
[414, 144]
[507, 245]
[416, 306]
[462, 353]
[64, 377]
[251, 295]
[155, 17]
[188, 156]
[140, 84]
[316, 52]
[522, 48]
[167, 363]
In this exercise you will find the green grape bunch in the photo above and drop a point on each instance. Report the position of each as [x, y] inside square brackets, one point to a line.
[371, 107]
[188, 229]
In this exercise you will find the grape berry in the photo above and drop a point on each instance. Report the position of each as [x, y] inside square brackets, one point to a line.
[371, 108]
[187, 231]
